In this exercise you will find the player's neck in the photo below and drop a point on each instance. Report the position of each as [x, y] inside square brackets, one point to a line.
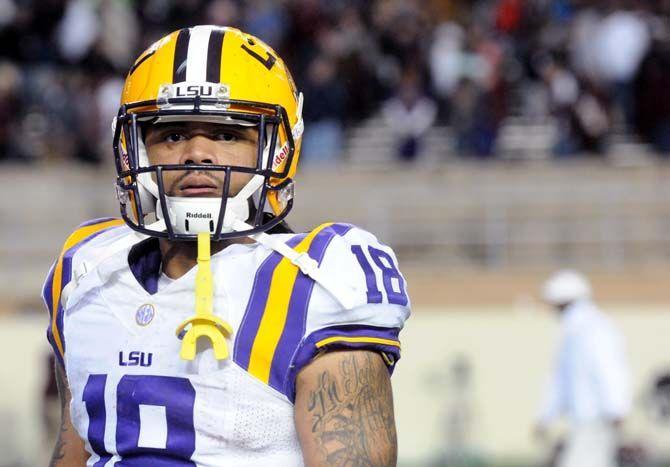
[180, 257]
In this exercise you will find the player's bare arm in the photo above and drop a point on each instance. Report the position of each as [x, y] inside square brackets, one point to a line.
[344, 411]
[69, 450]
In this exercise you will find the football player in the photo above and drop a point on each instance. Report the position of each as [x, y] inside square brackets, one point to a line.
[198, 330]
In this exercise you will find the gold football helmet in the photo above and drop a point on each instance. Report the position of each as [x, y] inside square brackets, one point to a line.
[217, 75]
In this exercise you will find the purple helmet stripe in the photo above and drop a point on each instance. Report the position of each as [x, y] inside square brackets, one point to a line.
[180, 55]
[214, 52]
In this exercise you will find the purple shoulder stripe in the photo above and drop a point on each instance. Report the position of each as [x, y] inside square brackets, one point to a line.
[341, 229]
[47, 297]
[66, 277]
[97, 221]
[54, 347]
[296, 318]
[47, 288]
[246, 334]
[308, 348]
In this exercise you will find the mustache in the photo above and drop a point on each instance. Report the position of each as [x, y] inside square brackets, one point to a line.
[186, 173]
[207, 173]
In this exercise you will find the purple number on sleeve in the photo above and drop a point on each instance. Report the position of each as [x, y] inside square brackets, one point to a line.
[94, 398]
[385, 263]
[374, 295]
[389, 272]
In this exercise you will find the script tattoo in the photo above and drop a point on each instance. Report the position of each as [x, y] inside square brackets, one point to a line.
[351, 411]
[59, 449]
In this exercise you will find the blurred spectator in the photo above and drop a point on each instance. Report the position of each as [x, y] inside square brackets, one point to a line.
[509, 15]
[78, 30]
[225, 12]
[410, 114]
[400, 26]
[10, 85]
[581, 116]
[361, 64]
[581, 43]
[621, 42]
[479, 55]
[117, 19]
[458, 419]
[659, 398]
[590, 381]
[323, 113]
[652, 113]
[265, 19]
[446, 58]
[473, 121]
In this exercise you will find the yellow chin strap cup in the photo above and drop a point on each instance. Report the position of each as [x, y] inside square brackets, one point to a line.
[204, 323]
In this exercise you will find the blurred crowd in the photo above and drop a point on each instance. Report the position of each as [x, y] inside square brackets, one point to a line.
[590, 68]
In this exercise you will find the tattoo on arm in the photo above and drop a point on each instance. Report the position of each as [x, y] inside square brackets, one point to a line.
[59, 449]
[351, 412]
[70, 450]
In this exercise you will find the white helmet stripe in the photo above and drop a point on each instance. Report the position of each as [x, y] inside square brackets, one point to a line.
[196, 63]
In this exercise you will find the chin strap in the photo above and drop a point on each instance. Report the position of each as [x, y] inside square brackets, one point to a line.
[343, 293]
[204, 323]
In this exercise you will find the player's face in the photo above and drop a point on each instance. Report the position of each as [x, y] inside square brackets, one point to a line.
[201, 143]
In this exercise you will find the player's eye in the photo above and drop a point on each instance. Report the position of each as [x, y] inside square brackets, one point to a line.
[173, 137]
[227, 136]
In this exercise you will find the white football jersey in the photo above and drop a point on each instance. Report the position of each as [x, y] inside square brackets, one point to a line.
[135, 402]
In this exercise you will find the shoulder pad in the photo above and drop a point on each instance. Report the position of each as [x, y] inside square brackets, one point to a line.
[370, 268]
[61, 274]
[288, 303]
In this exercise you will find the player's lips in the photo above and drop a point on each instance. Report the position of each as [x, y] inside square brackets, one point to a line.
[198, 186]
[199, 191]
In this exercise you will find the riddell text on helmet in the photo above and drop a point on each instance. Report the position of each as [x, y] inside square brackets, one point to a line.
[281, 156]
[198, 215]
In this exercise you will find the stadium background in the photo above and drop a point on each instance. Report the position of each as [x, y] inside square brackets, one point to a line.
[489, 142]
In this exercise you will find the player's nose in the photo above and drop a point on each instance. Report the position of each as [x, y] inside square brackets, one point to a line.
[198, 150]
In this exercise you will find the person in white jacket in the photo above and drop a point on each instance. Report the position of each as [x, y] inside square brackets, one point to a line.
[590, 380]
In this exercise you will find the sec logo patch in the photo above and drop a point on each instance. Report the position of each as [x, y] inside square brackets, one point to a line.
[145, 314]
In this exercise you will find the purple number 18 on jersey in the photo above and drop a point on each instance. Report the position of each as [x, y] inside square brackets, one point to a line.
[389, 271]
[175, 397]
